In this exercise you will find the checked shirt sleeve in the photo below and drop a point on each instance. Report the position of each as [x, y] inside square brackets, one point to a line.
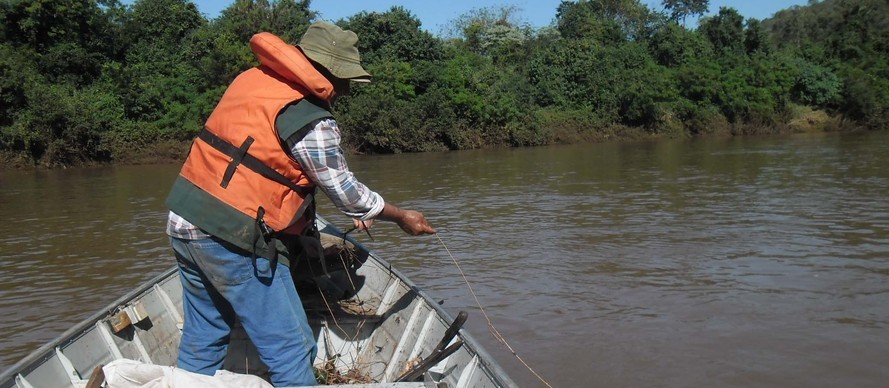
[321, 157]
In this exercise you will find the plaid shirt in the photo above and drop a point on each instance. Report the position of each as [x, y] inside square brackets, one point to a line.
[322, 160]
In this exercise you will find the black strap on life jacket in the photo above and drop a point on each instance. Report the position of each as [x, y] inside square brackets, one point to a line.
[240, 156]
[236, 160]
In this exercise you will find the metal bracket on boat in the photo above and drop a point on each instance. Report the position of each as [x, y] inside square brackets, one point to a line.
[127, 316]
[440, 352]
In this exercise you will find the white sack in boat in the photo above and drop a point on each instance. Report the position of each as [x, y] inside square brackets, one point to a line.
[134, 374]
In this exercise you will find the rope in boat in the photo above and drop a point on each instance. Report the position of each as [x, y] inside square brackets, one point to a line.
[491, 328]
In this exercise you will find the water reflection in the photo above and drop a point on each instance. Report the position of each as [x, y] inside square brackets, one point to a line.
[734, 262]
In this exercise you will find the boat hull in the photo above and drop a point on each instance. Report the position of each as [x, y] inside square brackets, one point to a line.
[387, 327]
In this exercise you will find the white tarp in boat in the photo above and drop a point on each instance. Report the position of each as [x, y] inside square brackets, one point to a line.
[135, 374]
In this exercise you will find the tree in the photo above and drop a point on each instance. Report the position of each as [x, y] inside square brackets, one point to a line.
[681, 9]
[220, 49]
[673, 45]
[17, 73]
[608, 21]
[845, 39]
[288, 19]
[865, 98]
[496, 31]
[157, 81]
[725, 31]
[755, 38]
[41, 24]
[815, 85]
[394, 34]
[387, 115]
[162, 22]
[72, 38]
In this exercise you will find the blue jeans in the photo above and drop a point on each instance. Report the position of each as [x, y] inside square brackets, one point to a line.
[220, 283]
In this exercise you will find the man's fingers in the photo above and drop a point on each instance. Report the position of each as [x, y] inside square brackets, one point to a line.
[362, 225]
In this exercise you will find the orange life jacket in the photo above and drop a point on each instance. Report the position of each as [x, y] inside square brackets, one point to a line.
[238, 173]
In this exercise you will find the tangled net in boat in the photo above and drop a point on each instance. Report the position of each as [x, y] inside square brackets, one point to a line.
[328, 374]
[356, 307]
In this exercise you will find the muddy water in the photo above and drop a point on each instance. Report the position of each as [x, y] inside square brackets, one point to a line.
[738, 262]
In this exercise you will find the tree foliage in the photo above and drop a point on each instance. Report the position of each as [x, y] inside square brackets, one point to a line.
[672, 45]
[288, 19]
[392, 34]
[841, 41]
[606, 21]
[93, 80]
[494, 31]
[681, 9]
[725, 31]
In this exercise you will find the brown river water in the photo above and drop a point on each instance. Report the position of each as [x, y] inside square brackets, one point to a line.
[731, 262]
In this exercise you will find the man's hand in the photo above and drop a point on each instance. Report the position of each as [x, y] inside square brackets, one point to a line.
[414, 223]
[410, 221]
[362, 225]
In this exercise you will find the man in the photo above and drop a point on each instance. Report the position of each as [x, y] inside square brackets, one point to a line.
[242, 209]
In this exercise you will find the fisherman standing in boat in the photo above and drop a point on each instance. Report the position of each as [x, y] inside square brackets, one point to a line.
[242, 207]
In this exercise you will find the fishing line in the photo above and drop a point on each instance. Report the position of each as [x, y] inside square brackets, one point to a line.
[496, 333]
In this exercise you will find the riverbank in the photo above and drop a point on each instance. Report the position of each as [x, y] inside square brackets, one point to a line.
[561, 131]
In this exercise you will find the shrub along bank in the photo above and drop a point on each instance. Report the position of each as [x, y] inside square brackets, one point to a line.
[96, 81]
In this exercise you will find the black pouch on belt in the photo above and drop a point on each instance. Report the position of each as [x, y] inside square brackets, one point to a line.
[269, 251]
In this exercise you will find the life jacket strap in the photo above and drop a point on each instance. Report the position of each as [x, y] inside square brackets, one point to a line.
[240, 156]
[236, 160]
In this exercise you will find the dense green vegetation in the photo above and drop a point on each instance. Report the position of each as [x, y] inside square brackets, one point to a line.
[86, 81]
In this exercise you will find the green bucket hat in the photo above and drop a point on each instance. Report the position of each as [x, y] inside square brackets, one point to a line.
[330, 46]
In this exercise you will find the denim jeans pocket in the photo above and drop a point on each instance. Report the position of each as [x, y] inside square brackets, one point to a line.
[222, 265]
